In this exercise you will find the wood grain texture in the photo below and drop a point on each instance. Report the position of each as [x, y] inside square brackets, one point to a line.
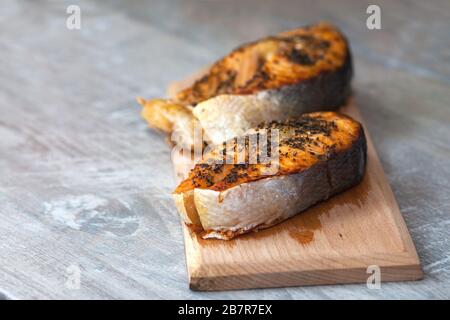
[84, 182]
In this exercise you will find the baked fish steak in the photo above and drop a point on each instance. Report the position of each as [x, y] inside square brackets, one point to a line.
[298, 71]
[318, 155]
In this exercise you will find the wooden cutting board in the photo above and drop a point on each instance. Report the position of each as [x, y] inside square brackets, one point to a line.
[333, 242]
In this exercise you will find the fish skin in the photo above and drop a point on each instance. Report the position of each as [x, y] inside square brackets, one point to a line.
[256, 201]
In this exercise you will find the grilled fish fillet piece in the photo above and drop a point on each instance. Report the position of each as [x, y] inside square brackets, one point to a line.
[298, 71]
[319, 155]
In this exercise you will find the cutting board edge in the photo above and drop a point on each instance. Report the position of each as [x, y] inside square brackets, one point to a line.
[304, 278]
[402, 267]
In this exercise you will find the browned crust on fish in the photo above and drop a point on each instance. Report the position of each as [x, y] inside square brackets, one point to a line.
[305, 142]
[286, 59]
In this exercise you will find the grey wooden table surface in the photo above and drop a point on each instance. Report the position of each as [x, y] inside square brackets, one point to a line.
[84, 184]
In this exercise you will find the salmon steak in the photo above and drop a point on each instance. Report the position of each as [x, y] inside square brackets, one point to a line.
[271, 173]
[298, 71]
